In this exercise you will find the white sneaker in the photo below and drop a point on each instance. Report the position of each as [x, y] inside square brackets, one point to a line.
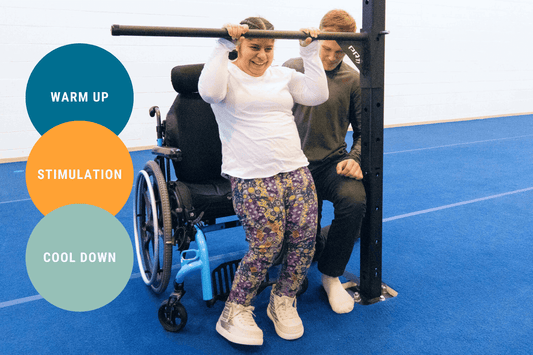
[282, 311]
[237, 324]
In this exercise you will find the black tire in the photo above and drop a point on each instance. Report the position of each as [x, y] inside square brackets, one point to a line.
[144, 218]
[172, 316]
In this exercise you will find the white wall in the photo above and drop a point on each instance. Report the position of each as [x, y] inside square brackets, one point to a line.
[444, 60]
[458, 59]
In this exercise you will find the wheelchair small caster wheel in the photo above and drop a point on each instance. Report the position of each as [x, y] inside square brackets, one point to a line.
[172, 315]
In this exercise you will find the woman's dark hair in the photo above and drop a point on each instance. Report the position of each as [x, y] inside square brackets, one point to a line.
[257, 23]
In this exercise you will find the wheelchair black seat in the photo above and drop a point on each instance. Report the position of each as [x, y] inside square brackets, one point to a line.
[191, 127]
[211, 199]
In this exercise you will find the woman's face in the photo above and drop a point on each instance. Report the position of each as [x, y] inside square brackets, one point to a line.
[255, 55]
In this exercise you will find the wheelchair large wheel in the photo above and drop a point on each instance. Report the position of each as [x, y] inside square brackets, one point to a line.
[153, 227]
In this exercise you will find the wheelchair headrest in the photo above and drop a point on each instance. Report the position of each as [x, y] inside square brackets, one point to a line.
[185, 78]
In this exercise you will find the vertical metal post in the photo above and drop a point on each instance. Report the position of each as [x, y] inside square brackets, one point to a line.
[372, 91]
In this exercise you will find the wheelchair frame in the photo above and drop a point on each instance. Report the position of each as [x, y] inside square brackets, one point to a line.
[155, 236]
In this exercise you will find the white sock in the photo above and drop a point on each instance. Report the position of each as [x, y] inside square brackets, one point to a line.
[339, 299]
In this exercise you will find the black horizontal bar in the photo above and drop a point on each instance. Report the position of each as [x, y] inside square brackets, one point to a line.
[121, 30]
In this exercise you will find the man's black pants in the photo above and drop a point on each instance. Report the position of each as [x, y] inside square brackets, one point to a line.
[349, 202]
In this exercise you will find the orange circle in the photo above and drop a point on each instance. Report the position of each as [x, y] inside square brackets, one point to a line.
[79, 162]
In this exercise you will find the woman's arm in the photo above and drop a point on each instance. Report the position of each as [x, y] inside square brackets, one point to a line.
[311, 88]
[213, 82]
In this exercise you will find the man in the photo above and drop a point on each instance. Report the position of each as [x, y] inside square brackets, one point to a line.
[336, 172]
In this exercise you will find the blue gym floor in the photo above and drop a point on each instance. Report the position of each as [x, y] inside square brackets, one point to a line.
[457, 247]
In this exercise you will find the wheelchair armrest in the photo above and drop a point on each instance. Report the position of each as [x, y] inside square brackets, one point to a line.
[171, 153]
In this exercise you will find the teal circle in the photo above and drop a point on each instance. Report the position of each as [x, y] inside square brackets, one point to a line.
[79, 82]
[79, 257]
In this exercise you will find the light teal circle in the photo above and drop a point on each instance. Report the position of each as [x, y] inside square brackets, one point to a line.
[79, 82]
[79, 257]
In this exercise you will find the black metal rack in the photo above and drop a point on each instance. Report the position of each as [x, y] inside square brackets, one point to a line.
[367, 50]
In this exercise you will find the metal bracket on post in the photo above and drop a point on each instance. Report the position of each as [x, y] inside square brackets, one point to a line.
[353, 287]
[354, 51]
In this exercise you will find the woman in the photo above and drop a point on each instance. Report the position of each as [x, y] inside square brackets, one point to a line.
[273, 191]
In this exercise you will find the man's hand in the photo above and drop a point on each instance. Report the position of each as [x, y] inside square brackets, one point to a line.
[350, 168]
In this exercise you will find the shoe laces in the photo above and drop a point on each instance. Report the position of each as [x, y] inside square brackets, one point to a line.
[246, 315]
[286, 307]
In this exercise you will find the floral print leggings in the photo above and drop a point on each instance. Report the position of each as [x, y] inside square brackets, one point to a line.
[274, 210]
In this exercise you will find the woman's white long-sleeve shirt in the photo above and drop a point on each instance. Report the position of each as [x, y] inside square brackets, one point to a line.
[254, 114]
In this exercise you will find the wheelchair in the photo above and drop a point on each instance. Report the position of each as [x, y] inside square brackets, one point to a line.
[178, 213]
